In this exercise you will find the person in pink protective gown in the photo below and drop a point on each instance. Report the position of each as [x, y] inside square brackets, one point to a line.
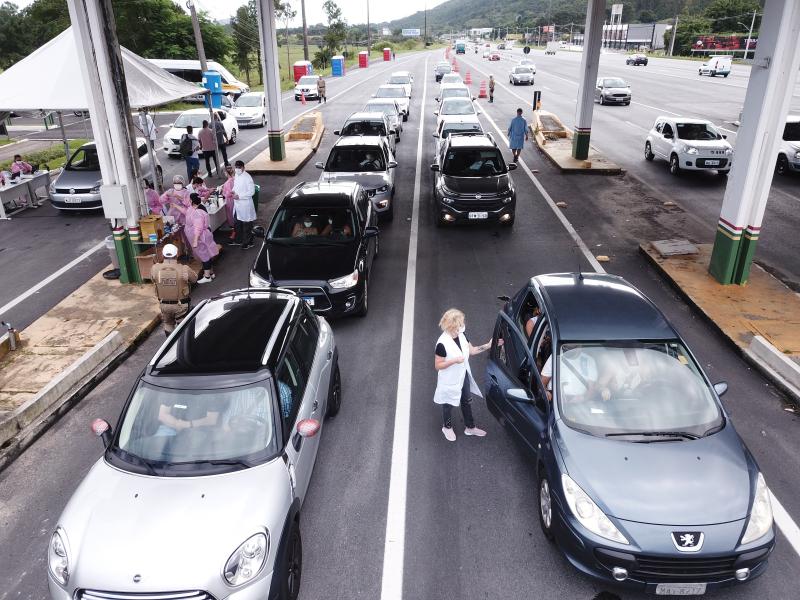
[198, 187]
[200, 237]
[227, 193]
[154, 202]
[176, 201]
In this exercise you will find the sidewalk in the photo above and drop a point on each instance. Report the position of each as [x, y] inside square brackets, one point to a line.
[8, 151]
[66, 349]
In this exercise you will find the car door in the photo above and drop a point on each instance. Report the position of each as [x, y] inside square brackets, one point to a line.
[389, 157]
[365, 215]
[666, 139]
[598, 89]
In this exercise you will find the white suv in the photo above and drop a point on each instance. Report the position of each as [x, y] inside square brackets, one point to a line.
[691, 144]
[307, 86]
[789, 150]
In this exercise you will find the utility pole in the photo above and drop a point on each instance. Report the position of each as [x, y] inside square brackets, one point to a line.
[305, 31]
[674, 32]
[369, 33]
[425, 39]
[272, 80]
[749, 35]
[570, 34]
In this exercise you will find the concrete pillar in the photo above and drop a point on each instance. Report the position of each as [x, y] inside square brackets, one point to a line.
[272, 78]
[769, 91]
[103, 78]
[592, 40]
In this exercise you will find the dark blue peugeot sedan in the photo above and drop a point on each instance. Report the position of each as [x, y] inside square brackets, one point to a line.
[642, 478]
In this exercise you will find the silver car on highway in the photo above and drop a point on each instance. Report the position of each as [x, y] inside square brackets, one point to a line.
[199, 492]
[612, 90]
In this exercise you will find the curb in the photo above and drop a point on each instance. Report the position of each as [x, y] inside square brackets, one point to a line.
[762, 355]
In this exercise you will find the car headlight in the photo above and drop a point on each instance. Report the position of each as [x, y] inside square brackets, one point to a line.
[52, 188]
[690, 149]
[797, 154]
[382, 189]
[729, 151]
[96, 189]
[343, 283]
[761, 515]
[586, 511]
[248, 559]
[257, 280]
[447, 200]
[57, 559]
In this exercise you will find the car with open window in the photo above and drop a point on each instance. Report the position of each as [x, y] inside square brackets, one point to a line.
[400, 95]
[689, 144]
[642, 479]
[321, 244]
[199, 491]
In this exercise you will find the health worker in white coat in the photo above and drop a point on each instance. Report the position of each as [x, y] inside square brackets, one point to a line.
[455, 385]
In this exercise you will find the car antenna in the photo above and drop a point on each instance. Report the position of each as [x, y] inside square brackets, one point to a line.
[578, 256]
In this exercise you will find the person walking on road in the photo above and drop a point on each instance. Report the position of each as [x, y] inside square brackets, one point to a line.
[173, 283]
[146, 127]
[517, 134]
[189, 147]
[491, 88]
[244, 209]
[455, 385]
[321, 91]
[222, 138]
[206, 138]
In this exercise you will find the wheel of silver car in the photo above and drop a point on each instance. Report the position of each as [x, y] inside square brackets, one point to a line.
[674, 165]
[602, 100]
[263, 121]
[648, 152]
[782, 166]
[292, 565]
[335, 394]
[545, 506]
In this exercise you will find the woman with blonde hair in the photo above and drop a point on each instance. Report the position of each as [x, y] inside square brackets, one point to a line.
[455, 384]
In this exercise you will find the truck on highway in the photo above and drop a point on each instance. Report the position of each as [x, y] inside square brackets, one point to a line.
[551, 48]
[461, 47]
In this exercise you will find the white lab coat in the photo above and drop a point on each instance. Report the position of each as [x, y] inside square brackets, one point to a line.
[243, 207]
[450, 381]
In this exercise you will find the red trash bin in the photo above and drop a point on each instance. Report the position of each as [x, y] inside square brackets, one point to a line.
[387, 54]
[363, 59]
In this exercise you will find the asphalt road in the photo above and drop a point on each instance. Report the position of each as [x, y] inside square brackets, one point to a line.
[471, 529]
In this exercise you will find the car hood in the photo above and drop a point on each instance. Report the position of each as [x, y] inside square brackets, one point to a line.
[708, 144]
[307, 262]
[176, 532]
[686, 483]
[476, 185]
[78, 179]
[617, 90]
[522, 75]
[369, 180]
[247, 111]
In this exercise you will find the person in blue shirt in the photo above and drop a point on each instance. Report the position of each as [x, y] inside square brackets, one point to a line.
[517, 134]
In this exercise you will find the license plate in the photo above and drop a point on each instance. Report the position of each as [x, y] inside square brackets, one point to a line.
[478, 215]
[71, 200]
[680, 589]
[712, 163]
[309, 300]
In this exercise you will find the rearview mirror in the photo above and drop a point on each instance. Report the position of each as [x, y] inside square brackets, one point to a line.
[667, 136]
[337, 132]
[724, 137]
[392, 164]
[371, 232]
[319, 164]
[434, 134]
[436, 112]
[308, 428]
[102, 429]
[512, 166]
[721, 387]
[259, 231]
[518, 395]
[434, 167]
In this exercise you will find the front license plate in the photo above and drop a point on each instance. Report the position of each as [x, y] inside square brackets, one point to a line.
[712, 163]
[680, 589]
[71, 200]
[478, 215]
[309, 300]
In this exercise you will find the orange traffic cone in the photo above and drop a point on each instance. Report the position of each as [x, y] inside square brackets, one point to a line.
[468, 79]
[455, 67]
[482, 91]
[302, 97]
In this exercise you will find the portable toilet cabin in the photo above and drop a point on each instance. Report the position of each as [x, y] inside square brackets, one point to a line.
[337, 66]
[302, 67]
[212, 81]
[363, 59]
[387, 54]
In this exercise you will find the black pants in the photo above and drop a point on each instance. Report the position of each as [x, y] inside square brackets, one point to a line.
[491, 95]
[244, 232]
[208, 155]
[224, 152]
[206, 265]
[466, 408]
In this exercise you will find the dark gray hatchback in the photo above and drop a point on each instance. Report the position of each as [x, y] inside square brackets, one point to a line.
[642, 479]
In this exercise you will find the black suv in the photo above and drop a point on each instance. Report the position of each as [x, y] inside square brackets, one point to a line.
[472, 181]
[321, 244]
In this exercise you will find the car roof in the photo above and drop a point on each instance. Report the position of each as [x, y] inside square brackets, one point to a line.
[393, 86]
[687, 120]
[319, 193]
[359, 140]
[793, 118]
[478, 140]
[199, 111]
[400, 73]
[310, 75]
[600, 307]
[453, 85]
[251, 94]
[235, 332]
[374, 101]
[365, 116]
[451, 119]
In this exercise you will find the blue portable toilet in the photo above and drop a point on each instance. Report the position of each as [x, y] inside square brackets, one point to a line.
[212, 81]
[337, 66]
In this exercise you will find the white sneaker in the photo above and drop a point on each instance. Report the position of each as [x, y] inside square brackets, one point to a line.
[475, 431]
[205, 280]
[449, 434]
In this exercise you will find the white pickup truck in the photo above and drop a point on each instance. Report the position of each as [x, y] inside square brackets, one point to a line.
[551, 47]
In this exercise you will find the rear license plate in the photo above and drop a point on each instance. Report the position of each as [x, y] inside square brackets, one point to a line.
[309, 300]
[71, 200]
[712, 163]
[478, 215]
[680, 589]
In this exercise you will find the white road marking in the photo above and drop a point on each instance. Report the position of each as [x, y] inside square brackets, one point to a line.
[31, 291]
[394, 542]
[788, 527]
[637, 126]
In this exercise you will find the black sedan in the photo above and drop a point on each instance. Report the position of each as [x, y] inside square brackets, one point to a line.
[642, 478]
[636, 60]
[321, 244]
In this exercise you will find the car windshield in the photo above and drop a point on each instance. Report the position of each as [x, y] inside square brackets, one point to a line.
[473, 162]
[307, 80]
[697, 131]
[84, 159]
[614, 83]
[384, 107]
[451, 78]
[457, 106]
[364, 128]
[460, 127]
[444, 68]
[355, 159]
[181, 430]
[523, 70]
[193, 119]
[400, 79]
[791, 133]
[455, 92]
[637, 388]
[307, 224]
[248, 100]
[390, 92]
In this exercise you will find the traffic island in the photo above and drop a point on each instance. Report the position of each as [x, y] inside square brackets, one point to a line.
[301, 143]
[555, 141]
[761, 318]
[64, 353]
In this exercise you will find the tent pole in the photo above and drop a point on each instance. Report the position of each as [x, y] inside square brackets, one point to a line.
[63, 135]
[150, 154]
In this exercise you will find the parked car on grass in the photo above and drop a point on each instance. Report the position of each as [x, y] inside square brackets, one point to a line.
[612, 90]
[690, 144]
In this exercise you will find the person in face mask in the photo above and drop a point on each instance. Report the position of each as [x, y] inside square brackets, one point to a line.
[244, 210]
[175, 197]
[455, 385]
[20, 167]
[305, 227]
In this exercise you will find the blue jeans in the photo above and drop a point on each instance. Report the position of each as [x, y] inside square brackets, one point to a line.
[192, 163]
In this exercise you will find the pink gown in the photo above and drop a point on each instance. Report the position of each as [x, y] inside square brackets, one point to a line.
[227, 193]
[154, 202]
[203, 192]
[197, 227]
[174, 196]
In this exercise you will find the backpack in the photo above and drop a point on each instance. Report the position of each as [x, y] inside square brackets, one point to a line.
[186, 147]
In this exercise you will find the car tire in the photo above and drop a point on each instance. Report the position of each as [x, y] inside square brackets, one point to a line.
[389, 214]
[405, 117]
[291, 564]
[263, 121]
[782, 166]
[545, 498]
[648, 152]
[602, 102]
[364, 308]
[232, 139]
[335, 393]
[627, 104]
[725, 76]
[674, 165]
[723, 173]
[713, 73]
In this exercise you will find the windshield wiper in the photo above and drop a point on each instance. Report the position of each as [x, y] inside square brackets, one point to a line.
[678, 434]
[215, 462]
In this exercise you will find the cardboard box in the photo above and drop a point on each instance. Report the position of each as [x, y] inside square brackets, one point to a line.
[151, 224]
[145, 262]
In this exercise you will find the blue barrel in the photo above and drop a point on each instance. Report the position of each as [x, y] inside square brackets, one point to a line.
[212, 81]
[337, 66]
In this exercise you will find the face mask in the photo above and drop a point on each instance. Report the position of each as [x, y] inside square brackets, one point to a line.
[307, 223]
[178, 186]
[238, 171]
[462, 329]
[330, 221]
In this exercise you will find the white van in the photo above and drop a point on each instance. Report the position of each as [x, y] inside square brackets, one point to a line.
[191, 72]
[789, 150]
[716, 65]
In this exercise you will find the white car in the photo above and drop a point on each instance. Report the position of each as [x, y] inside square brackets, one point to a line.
[459, 107]
[789, 150]
[521, 75]
[454, 125]
[307, 86]
[195, 118]
[399, 94]
[450, 78]
[716, 65]
[250, 110]
[527, 62]
[454, 90]
[486, 53]
[390, 108]
[690, 144]
[402, 78]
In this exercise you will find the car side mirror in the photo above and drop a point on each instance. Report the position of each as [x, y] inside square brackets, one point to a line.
[721, 387]
[518, 395]
[102, 429]
[667, 136]
[473, 98]
[434, 134]
[337, 132]
[319, 164]
[724, 137]
[370, 232]
[308, 428]
[434, 167]
[436, 112]
[259, 231]
[392, 164]
[512, 166]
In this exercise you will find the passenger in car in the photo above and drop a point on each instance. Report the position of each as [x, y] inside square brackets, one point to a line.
[305, 227]
[337, 227]
[369, 163]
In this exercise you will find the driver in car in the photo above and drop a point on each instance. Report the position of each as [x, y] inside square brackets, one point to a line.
[187, 414]
[369, 163]
[578, 373]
